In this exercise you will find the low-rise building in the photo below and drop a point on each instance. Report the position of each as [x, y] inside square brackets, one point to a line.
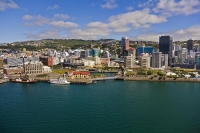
[46, 69]
[96, 59]
[33, 67]
[13, 70]
[79, 77]
[88, 63]
[46, 60]
[105, 61]
[12, 62]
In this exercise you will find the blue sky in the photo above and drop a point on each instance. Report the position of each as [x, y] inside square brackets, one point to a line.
[22, 20]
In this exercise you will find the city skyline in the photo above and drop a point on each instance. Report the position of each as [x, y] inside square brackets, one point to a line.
[142, 20]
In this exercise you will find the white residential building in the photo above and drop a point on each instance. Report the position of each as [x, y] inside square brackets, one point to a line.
[46, 69]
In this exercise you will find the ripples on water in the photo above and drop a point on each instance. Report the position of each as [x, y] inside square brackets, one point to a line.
[107, 106]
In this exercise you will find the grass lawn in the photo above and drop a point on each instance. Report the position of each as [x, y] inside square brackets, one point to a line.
[59, 71]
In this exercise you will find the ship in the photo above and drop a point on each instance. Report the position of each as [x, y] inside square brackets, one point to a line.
[60, 80]
[24, 79]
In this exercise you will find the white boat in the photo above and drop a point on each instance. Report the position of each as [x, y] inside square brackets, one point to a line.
[60, 80]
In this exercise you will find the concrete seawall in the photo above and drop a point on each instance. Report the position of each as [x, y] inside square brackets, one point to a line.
[156, 79]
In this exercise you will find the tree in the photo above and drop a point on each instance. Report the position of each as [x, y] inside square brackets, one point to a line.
[160, 73]
[198, 72]
[149, 72]
[192, 75]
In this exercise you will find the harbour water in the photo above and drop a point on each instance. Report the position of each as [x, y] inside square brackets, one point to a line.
[107, 106]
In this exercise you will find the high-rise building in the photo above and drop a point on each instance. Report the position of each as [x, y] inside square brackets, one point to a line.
[182, 55]
[165, 46]
[124, 44]
[156, 59]
[95, 52]
[190, 45]
[164, 60]
[145, 60]
[129, 61]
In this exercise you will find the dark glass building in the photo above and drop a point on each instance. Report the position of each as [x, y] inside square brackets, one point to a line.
[165, 46]
[141, 50]
[190, 45]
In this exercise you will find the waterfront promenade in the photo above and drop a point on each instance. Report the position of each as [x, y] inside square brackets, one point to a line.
[54, 75]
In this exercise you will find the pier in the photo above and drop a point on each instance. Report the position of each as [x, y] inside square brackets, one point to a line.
[108, 78]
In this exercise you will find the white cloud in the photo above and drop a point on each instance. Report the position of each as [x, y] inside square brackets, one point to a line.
[149, 3]
[45, 34]
[64, 24]
[137, 19]
[185, 34]
[185, 7]
[118, 24]
[53, 7]
[122, 29]
[40, 21]
[61, 16]
[7, 4]
[147, 37]
[27, 17]
[110, 4]
[90, 33]
[129, 8]
[179, 35]
[36, 20]
[97, 24]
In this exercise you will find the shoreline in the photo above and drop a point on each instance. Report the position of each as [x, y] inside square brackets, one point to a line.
[118, 77]
[156, 79]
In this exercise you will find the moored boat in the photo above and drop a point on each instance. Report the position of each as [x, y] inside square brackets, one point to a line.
[60, 80]
[20, 80]
[24, 79]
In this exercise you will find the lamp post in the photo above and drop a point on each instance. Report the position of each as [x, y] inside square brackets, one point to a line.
[23, 63]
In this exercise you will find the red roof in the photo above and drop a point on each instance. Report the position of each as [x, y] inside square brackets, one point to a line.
[81, 72]
[131, 49]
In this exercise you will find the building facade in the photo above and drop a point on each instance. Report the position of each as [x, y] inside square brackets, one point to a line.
[190, 45]
[141, 50]
[33, 67]
[12, 62]
[124, 44]
[1, 63]
[182, 56]
[165, 46]
[13, 70]
[47, 60]
[129, 61]
[156, 59]
[145, 61]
